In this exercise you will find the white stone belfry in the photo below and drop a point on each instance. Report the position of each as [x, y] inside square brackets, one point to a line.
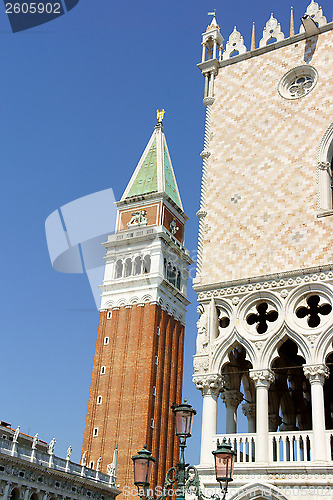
[271, 31]
[264, 347]
[212, 42]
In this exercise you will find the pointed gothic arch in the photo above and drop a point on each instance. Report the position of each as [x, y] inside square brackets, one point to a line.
[258, 491]
[289, 393]
[14, 494]
[324, 346]
[221, 354]
[270, 352]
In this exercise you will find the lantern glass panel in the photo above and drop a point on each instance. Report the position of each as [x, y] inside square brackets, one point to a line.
[224, 465]
[142, 471]
[184, 420]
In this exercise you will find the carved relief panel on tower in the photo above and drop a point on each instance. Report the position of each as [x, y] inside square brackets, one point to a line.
[141, 216]
[173, 224]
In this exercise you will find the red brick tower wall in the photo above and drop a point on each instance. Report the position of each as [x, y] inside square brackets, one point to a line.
[124, 417]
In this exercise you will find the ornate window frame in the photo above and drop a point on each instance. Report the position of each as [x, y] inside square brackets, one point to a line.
[285, 84]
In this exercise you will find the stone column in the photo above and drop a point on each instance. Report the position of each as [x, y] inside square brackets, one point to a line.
[324, 181]
[203, 52]
[262, 380]
[27, 493]
[249, 410]
[205, 154]
[210, 387]
[214, 50]
[316, 375]
[211, 84]
[231, 399]
[206, 84]
[6, 492]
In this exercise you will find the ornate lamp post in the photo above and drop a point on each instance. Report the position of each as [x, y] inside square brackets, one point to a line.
[184, 420]
[143, 461]
[224, 465]
[186, 476]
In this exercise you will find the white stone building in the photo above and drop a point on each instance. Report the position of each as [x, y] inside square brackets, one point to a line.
[29, 470]
[265, 260]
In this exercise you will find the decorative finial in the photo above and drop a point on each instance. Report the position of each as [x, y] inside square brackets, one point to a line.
[292, 26]
[235, 45]
[271, 31]
[253, 37]
[160, 115]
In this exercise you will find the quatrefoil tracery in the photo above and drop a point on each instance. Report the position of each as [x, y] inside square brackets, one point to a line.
[313, 311]
[262, 318]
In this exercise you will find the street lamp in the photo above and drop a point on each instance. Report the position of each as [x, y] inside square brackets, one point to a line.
[224, 464]
[143, 466]
[184, 414]
[143, 461]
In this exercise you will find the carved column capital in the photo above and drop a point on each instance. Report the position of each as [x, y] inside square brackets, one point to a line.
[316, 373]
[262, 378]
[324, 165]
[209, 384]
[205, 154]
[208, 101]
[232, 398]
[201, 214]
[249, 410]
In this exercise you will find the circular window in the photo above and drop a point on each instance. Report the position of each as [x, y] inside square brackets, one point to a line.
[298, 82]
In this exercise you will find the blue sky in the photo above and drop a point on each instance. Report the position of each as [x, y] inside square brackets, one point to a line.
[79, 97]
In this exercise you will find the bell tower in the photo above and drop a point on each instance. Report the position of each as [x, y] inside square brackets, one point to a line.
[138, 364]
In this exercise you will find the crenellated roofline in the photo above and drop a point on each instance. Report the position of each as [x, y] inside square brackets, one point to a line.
[312, 23]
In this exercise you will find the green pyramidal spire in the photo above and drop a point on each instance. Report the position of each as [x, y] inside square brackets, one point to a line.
[154, 172]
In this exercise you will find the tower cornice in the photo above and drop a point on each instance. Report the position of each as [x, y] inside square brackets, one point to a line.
[140, 235]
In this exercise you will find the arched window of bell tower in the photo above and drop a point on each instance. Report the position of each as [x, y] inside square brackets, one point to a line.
[119, 269]
[137, 265]
[146, 264]
[128, 267]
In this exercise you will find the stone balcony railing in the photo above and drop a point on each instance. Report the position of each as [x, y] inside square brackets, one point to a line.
[288, 448]
[44, 459]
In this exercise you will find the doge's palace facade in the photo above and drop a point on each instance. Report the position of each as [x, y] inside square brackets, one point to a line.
[265, 257]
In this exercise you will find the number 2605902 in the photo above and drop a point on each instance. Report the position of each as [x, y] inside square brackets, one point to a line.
[32, 8]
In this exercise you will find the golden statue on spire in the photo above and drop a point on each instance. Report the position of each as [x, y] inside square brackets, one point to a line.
[160, 115]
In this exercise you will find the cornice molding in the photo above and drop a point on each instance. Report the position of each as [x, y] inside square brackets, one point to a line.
[266, 282]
